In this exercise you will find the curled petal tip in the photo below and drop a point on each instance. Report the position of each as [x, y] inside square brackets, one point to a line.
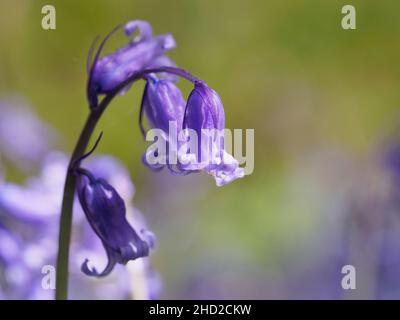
[111, 71]
[93, 272]
[169, 42]
[223, 178]
[149, 237]
[142, 26]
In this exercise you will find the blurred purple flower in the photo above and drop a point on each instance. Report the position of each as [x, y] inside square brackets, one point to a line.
[24, 138]
[391, 162]
[39, 199]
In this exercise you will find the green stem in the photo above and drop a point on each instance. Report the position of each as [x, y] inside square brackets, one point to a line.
[64, 237]
[67, 205]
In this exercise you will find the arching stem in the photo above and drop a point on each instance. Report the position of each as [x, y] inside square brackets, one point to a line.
[70, 181]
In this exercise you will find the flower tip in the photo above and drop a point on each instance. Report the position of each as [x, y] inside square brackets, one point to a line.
[92, 272]
[169, 42]
[86, 270]
[223, 178]
[142, 26]
[149, 237]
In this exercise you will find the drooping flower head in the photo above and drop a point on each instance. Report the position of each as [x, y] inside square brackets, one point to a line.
[144, 57]
[162, 103]
[143, 50]
[106, 213]
[206, 116]
[105, 210]
[203, 115]
[391, 160]
[164, 106]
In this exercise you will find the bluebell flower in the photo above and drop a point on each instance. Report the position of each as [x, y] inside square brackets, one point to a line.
[163, 103]
[205, 115]
[144, 50]
[105, 210]
[164, 106]
[112, 170]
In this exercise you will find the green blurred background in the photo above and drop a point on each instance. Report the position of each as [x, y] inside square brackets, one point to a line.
[285, 68]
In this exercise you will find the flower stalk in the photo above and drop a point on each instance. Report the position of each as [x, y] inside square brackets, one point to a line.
[67, 205]
[70, 181]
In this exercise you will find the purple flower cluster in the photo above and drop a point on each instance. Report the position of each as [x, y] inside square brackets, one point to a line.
[163, 104]
[203, 113]
[144, 57]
